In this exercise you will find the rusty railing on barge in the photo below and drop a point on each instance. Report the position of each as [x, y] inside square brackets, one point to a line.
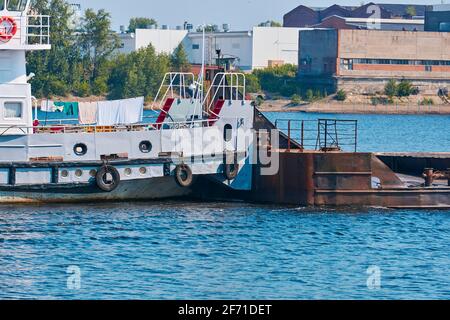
[321, 134]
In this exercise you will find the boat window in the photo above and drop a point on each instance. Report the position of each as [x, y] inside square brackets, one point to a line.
[2, 4]
[228, 132]
[13, 110]
[17, 5]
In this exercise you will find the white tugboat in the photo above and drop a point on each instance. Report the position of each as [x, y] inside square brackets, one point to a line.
[194, 134]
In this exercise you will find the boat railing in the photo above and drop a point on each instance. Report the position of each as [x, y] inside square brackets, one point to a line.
[175, 85]
[225, 86]
[79, 128]
[322, 134]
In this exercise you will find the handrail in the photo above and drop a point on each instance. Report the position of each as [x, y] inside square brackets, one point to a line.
[322, 134]
[186, 79]
[96, 128]
[220, 85]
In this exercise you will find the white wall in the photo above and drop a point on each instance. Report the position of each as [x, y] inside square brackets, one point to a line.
[164, 41]
[254, 48]
[231, 44]
[274, 44]
[128, 43]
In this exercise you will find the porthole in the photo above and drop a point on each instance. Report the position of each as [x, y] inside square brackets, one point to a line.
[78, 173]
[145, 146]
[128, 172]
[227, 132]
[143, 170]
[93, 173]
[80, 149]
[64, 173]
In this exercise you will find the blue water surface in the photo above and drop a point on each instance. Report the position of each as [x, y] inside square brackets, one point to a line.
[174, 250]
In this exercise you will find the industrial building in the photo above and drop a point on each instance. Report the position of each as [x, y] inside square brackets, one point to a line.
[246, 50]
[398, 14]
[362, 61]
[337, 22]
[437, 18]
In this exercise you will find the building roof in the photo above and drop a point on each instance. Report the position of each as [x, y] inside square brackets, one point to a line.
[305, 16]
[399, 10]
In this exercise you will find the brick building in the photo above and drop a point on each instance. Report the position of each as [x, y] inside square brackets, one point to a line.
[364, 60]
[303, 16]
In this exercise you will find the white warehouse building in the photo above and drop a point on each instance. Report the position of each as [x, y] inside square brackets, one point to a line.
[247, 50]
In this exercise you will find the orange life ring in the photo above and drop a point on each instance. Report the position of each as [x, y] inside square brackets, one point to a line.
[8, 28]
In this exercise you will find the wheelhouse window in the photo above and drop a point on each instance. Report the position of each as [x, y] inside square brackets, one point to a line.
[16, 5]
[12, 110]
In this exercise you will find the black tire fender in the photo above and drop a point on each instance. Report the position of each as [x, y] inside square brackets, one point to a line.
[183, 176]
[102, 178]
[231, 170]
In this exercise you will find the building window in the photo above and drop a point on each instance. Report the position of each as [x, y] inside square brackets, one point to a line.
[347, 64]
[13, 110]
[195, 47]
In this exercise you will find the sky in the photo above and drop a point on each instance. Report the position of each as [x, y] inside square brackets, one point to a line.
[240, 14]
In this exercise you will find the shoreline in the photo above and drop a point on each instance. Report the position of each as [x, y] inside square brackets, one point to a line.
[282, 106]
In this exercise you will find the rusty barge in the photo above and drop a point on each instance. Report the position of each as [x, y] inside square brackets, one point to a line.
[326, 175]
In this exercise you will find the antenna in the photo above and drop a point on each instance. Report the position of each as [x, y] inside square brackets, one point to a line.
[201, 77]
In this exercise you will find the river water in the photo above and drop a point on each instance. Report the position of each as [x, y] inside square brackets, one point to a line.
[189, 250]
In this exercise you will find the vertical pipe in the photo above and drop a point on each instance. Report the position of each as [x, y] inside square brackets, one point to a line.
[289, 135]
[303, 134]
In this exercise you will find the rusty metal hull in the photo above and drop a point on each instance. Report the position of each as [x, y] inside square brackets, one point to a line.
[341, 179]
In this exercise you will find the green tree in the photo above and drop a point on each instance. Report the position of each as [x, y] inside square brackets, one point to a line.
[391, 88]
[341, 95]
[309, 95]
[296, 99]
[252, 83]
[411, 11]
[404, 89]
[137, 74]
[271, 23]
[98, 44]
[52, 67]
[141, 23]
[208, 28]
[179, 60]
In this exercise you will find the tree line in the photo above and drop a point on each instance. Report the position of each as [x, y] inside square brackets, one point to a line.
[84, 58]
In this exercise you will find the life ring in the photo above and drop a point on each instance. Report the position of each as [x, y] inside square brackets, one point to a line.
[231, 169]
[107, 178]
[8, 28]
[183, 176]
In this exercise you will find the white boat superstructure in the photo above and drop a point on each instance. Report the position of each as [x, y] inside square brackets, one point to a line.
[197, 132]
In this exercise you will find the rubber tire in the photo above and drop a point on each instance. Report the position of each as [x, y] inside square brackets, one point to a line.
[181, 170]
[231, 170]
[115, 178]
